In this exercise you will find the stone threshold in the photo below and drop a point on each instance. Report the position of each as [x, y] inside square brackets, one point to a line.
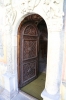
[27, 95]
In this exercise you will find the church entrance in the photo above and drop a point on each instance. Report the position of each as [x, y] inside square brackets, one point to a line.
[32, 50]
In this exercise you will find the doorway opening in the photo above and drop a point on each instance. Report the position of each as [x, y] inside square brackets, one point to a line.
[42, 46]
[32, 55]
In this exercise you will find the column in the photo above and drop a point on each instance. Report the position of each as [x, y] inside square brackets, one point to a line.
[53, 77]
[63, 84]
[10, 77]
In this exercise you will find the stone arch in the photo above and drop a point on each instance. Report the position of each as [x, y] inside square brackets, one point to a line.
[50, 65]
[14, 39]
[17, 23]
[15, 33]
[14, 47]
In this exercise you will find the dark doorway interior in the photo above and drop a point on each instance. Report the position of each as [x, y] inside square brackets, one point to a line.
[42, 46]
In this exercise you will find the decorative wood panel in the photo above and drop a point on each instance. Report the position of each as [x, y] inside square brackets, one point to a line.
[34, 17]
[29, 49]
[29, 70]
[30, 30]
[28, 53]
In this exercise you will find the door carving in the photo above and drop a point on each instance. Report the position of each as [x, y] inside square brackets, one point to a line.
[28, 53]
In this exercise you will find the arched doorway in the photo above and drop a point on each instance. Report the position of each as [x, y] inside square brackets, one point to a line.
[32, 49]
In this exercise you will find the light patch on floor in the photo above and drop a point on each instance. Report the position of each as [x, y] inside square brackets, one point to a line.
[36, 87]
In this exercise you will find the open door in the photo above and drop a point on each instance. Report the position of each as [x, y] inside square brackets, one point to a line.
[28, 53]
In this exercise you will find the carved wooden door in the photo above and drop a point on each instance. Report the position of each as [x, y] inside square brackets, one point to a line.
[28, 53]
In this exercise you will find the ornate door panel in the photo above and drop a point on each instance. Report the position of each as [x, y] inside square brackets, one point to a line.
[28, 53]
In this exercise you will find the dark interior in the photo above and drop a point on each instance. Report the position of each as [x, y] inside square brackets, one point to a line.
[42, 45]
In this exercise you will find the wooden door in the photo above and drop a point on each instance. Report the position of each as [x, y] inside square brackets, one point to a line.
[28, 53]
